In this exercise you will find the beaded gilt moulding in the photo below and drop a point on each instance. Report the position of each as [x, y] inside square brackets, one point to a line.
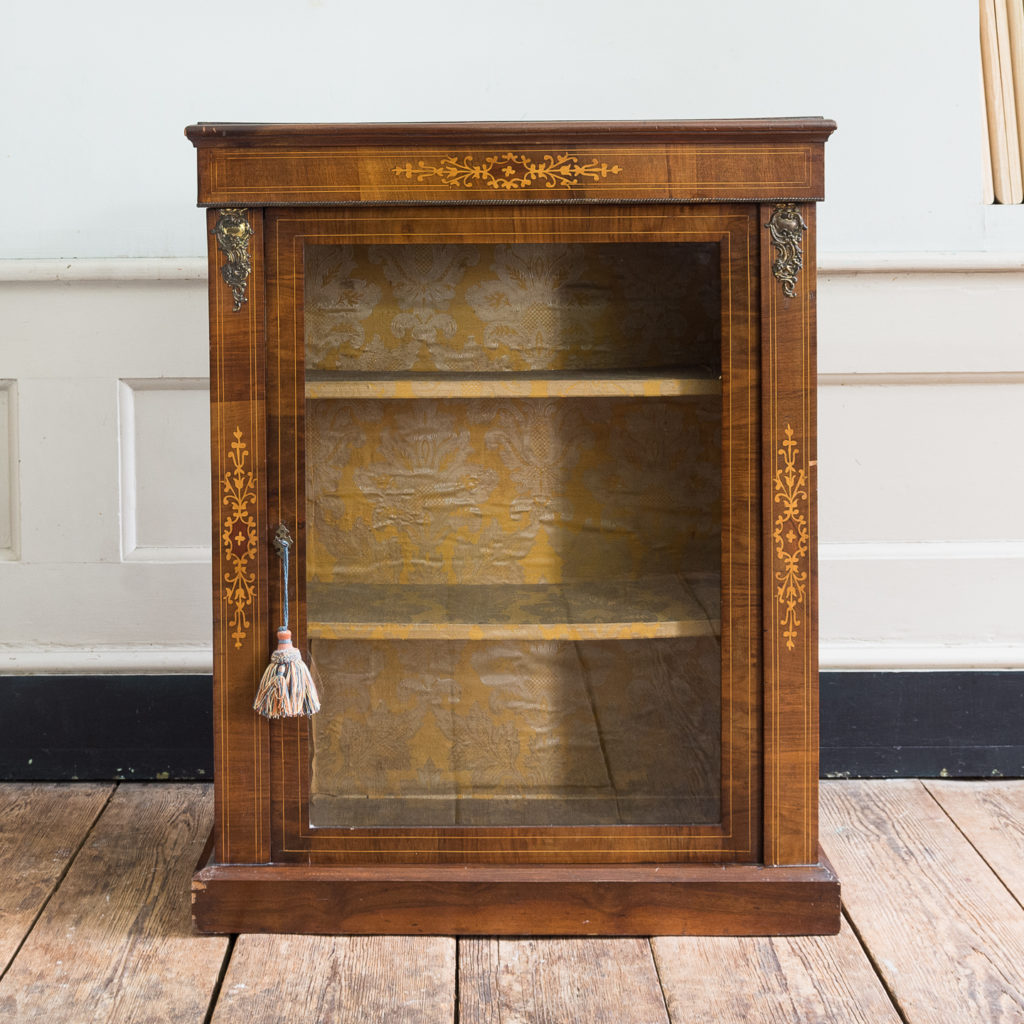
[513, 429]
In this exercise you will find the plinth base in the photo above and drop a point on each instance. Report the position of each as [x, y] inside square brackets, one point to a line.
[476, 899]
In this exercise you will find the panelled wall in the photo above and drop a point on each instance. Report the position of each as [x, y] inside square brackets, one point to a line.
[104, 536]
[105, 523]
[921, 413]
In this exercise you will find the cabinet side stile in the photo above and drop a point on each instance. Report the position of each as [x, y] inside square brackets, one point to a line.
[241, 626]
[790, 534]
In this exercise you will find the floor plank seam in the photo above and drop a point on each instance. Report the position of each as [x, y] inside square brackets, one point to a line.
[661, 983]
[866, 949]
[458, 953]
[219, 983]
[984, 859]
[59, 881]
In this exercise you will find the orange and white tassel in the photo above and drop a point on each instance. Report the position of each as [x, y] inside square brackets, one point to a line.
[286, 689]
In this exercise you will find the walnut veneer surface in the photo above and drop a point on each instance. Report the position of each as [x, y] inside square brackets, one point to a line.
[536, 403]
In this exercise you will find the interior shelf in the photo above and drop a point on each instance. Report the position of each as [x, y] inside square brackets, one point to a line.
[534, 384]
[656, 606]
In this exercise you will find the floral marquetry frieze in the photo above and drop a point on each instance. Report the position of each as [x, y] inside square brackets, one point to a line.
[510, 172]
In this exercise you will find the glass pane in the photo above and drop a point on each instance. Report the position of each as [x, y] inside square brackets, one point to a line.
[516, 732]
[513, 602]
[469, 308]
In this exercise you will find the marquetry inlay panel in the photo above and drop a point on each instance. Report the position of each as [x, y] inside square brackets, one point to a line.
[510, 172]
[239, 537]
[791, 536]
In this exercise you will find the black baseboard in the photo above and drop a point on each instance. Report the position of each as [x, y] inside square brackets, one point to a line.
[106, 727]
[873, 725]
[959, 725]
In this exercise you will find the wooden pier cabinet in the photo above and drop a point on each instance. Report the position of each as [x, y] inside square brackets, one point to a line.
[536, 405]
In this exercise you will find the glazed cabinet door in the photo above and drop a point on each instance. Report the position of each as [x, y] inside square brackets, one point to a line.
[518, 451]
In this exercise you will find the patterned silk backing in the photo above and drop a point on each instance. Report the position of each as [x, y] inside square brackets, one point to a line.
[512, 307]
[511, 490]
[508, 733]
[499, 491]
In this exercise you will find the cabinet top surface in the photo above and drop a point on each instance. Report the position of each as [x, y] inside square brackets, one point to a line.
[218, 134]
[608, 161]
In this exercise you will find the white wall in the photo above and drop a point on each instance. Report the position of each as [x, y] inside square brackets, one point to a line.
[97, 95]
[103, 562]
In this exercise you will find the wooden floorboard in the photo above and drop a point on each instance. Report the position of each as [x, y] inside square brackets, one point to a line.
[991, 816]
[943, 931]
[315, 979]
[824, 979]
[932, 873]
[555, 981]
[42, 826]
[115, 941]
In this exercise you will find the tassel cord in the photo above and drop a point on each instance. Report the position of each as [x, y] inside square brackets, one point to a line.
[283, 546]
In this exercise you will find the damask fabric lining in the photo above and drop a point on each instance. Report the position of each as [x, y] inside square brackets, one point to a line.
[517, 733]
[581, 509]
[512, 307]
[511, 490]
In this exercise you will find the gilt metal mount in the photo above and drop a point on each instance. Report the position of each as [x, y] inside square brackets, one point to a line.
[785, 227]
[233, 232]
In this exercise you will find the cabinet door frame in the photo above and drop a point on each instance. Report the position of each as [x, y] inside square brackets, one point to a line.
[735, 226]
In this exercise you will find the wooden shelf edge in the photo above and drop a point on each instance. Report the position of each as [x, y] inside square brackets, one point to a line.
[568, 612]
[597, 385]
[478, 899]
[568, 631]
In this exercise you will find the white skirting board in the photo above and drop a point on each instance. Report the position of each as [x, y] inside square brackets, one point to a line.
[105, 660]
